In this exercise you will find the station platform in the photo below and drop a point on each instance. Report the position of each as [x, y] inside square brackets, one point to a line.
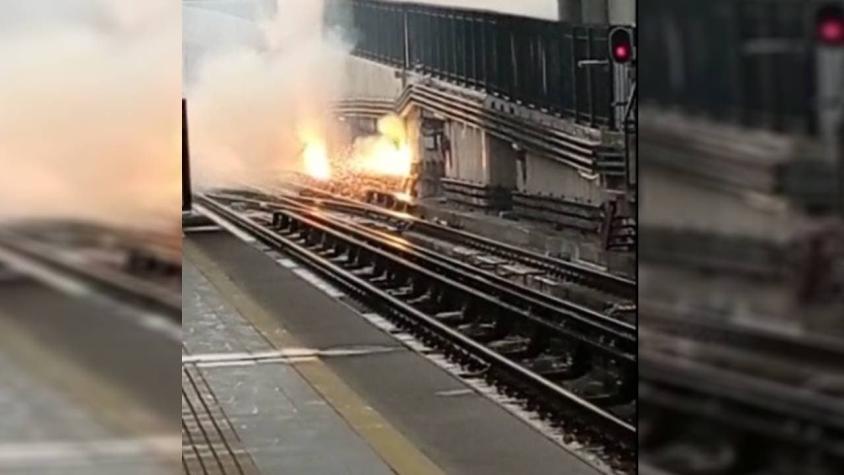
[288, 375]
[84, 384]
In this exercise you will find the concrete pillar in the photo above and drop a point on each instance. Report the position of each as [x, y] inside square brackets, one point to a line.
[622, 12]
[595, 12]
[501, 162]
[569, 11]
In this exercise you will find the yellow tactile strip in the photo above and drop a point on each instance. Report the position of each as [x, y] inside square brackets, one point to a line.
[398, 452]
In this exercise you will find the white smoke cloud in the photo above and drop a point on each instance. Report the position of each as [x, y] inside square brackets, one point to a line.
[89, 122]
[259, 83]
[253, 97]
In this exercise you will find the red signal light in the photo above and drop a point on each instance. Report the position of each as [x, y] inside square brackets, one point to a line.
[621, 45]
[621, 53]
[829, 25]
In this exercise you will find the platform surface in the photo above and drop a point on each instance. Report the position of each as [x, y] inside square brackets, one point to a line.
[84, 385]
[307, 385]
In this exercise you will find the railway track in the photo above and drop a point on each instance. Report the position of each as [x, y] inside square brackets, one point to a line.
[619, 287]
[526, 298]
[755, 388]
[578, 373]
[124, 286]
[751, 415]
[810, 350]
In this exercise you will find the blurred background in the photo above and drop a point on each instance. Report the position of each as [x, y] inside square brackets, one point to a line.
[742, 242]
[90, 264]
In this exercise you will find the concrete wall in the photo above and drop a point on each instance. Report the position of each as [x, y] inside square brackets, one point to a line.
[369, 80]
[668, 199]
[468, 153]
[501, 163]
[614, 12]
[547, 176]
[480, 158]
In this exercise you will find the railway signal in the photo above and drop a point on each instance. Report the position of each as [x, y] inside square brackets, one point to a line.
[829, 63]
[829, 25]
[622, 45]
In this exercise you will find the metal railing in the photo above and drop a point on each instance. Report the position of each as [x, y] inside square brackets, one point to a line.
[530, 61]
[748, 62]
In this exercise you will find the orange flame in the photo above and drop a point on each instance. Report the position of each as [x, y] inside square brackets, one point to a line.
[316, 161]
[382, 156]
[385, 155]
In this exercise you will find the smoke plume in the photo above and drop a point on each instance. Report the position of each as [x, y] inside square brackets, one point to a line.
[89, 122]
[254, 97]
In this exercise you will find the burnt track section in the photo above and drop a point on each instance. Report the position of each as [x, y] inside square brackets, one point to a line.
[553, 362]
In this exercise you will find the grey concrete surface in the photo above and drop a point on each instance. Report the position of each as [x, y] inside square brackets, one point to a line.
[284, 425]
[70, 370]
[462, 431]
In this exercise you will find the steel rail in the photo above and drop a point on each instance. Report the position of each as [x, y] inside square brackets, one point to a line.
[814, 350]
[531, 298]
[580, 322]
[770, 409]
[570, 271]
[589, 417]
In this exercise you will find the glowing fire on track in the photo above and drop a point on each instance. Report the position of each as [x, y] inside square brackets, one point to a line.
[381, 156]
[386, 155]
[317, 163]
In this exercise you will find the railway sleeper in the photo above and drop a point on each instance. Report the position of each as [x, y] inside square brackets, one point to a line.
[551, 367]
[341, 258]
[381, 280]
[329, 253]
[422, 302]
[363, 272]
[482, 331]
[615, 391]
[315, 239]
[295, 236]
[610, 398]
[562, 323]
[400, 292]
[452, 317]
[513, 346]
[580, 362]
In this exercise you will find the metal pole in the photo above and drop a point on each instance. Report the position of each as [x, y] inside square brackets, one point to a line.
[839, 146]
[830, 68]
[186, 188]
